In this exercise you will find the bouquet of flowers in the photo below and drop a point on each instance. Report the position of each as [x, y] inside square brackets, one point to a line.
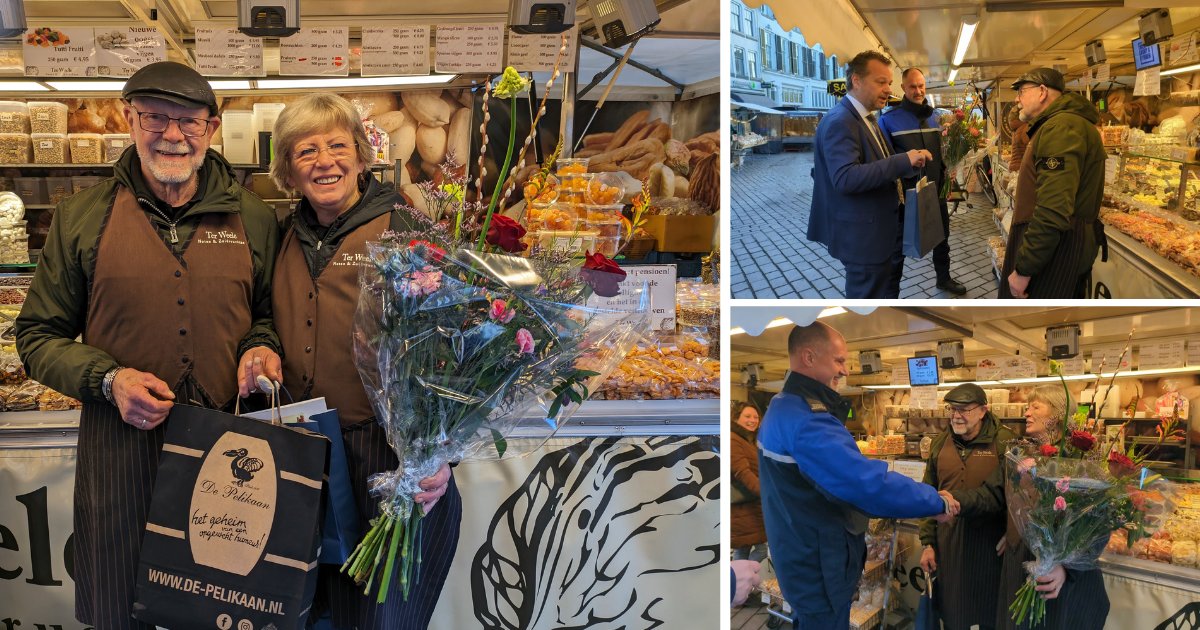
[961, 136]
[1068, 498]
[457, 340]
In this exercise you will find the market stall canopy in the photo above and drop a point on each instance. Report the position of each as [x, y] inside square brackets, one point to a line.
[836, 25]
[900, 332]
[753, 102]
[1012, 37]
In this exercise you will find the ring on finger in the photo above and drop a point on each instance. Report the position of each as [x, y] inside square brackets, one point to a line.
[143, 423]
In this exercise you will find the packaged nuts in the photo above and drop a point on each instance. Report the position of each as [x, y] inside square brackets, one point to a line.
[47, 117]
[14, 117]
[85, 148]
[49, 148]
[14, 148]
[114, 145]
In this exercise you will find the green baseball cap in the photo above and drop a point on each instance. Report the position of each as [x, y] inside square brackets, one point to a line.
[1048, 77]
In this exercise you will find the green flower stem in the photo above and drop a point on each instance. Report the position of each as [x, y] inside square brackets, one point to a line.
[512, 138]
[391, 562]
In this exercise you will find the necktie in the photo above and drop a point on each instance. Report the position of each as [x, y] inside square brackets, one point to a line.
[878, 133]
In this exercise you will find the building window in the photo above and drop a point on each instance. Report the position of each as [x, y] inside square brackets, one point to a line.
[735, 18]
[795, 56]
[824, 67]
[748, 23]
[833, 67]
[752, 65]
[739, 62]
[767, 41]
[780, 51]
[810, 66]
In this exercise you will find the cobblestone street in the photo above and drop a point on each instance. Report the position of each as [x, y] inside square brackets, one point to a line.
[770, 196]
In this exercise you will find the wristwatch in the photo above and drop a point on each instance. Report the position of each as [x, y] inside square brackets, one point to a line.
[106, 385]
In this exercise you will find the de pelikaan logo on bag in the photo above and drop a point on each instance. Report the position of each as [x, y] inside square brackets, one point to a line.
[243, 466]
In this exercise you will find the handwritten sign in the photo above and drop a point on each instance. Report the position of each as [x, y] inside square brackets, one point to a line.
[466, 48]
[912, 469]
[226, 52]
[1018, 367]
[534, 53]
[659, 280]
[989, 368]
[924, 397]
[316, 52]
[395, 50]
[122, 51]
[900, 374]
[1072, 366]
[1108, 357]
[1157, 356]
[1193, 352]
[1102, 73]
[1182, 50]
[1147, 83]
[59, 52]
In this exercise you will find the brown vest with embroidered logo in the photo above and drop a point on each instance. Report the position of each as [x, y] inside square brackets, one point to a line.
[314, 319]
[167, 315]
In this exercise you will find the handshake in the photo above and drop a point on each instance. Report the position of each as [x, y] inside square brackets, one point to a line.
[952, 507]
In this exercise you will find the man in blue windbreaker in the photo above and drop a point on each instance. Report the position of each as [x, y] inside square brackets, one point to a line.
[817, 488]
[913, 124]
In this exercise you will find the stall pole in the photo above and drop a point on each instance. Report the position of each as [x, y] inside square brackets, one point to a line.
[566, 132]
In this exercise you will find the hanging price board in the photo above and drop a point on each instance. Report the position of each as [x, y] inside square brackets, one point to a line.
[395, 50]
[227, 52]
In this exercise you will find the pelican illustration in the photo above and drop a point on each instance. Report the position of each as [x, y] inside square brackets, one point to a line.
[243, 467]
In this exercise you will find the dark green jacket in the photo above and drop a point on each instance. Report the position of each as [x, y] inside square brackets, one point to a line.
[989, 498]
[56, 308]
[1069, 162]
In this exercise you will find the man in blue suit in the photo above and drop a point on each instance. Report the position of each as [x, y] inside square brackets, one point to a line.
[858, 197]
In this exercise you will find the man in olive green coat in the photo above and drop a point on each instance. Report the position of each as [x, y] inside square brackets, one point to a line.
[1056, 219]
[963, 551]
[165, 271]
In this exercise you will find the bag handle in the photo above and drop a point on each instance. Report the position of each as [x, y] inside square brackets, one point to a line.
[272, 388]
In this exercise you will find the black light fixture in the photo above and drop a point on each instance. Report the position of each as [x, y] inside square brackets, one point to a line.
[269, 18]
[620, 22]
[541, 17]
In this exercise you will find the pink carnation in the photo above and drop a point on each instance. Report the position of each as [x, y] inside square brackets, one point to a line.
[1063, 484]
[524, 341]
[422, 283]
[500, 312]
[1060, 504]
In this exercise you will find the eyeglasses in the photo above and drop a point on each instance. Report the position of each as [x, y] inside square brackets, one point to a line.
[954, 409]
[1027, 87]
[158, 123]
[337, 151]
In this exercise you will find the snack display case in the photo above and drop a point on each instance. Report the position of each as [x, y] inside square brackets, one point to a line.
[1152, 211]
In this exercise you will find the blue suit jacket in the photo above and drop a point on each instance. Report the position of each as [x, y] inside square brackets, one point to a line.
[855, 211]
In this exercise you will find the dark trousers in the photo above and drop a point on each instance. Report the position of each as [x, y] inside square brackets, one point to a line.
[836, 620]
[880, 280]
[941, 251]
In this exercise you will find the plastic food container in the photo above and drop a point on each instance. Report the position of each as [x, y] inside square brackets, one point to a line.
[31, 190]
[14, 117]
[114, 145]
[83, 182]
[86, 148]
[607, 246]
[47, 117]
[237, 132]
[15, 148]
[58, 188]
[49, 148]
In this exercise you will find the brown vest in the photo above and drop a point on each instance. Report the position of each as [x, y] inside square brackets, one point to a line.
[954, 473]
[1026, 198]
[314, 319]
[167, 315]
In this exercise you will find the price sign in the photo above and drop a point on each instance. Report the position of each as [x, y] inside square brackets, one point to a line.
[226, 52]
[924, 397]
[914, 470]
[1071, 367]
[1157, 356]
[900, 374]
[659, 280]
[316, 52]
[122, 51]
[395, 50]
[469, 48]
[534, 53]
[1108, 356]
[989, 368]
[59, 52]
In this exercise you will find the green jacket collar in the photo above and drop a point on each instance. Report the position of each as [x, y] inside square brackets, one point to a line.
[1069, 103]
[987, 433]
[217, 192]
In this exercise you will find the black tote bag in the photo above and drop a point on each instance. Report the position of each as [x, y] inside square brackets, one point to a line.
[233, 531]
[923, 228]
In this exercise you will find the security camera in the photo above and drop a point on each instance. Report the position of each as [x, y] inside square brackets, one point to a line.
[269, 18]
[622, 21]
[541, 16]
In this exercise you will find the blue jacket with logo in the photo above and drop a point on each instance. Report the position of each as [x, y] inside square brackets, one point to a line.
[908, 131]
[817, 490]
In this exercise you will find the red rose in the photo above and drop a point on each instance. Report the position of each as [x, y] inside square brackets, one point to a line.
[958, 113]
[1082, 440]
[1120, 465]
[602, 274]
[506, 234]
[1049, 450]
[435, 253]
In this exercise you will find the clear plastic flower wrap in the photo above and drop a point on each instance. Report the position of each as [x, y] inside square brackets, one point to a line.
[455, 349]
[1066, 509]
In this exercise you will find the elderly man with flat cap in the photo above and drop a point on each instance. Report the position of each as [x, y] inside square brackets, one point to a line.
[964, 551]
[1056, 229]
[164, 269]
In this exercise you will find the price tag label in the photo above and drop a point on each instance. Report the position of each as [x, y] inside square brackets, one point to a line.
[59, 52]
[536, 53]
[122, 51]
[469, 48]
[1157, 356]
[395, 50]
[316, 52]
[226, 52]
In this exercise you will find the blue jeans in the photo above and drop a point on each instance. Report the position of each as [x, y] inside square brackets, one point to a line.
[756, 553]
